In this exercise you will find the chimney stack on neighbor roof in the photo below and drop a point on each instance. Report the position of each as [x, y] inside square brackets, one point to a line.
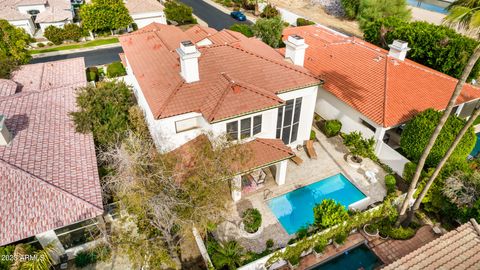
[398, 49]
[5, 136]
[189, 61]
[295, 49]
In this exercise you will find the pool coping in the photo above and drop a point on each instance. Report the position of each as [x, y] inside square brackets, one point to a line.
[349, 207]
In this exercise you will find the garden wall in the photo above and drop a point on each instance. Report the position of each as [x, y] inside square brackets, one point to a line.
[392, 158]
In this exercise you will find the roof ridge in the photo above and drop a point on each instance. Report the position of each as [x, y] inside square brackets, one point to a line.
[475, 225]
[222, 98]
[257, 89]
[266, 142]
[385, 91]
[170, 97]
[15, 167]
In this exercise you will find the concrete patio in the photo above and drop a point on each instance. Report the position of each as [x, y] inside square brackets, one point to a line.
[331, 160]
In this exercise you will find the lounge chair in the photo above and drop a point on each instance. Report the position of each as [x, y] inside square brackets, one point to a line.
[259, 177]
[297, 160]
[310, 150]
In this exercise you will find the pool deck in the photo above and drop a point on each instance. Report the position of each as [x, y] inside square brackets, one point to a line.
[331, 160]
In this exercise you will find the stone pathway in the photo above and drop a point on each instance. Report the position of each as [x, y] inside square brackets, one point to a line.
[391, 250]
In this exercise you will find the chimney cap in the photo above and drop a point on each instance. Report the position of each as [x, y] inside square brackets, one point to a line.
[188, 47]
[399, 45]
[187, 43]
[296, 40]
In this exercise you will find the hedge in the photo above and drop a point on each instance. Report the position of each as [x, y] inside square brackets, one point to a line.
[116, 69]
[54, 34]
[57, 35]
[92, 74]
[332, 127]
[417, 133]
[390, 182]
[245, 29]
[350, 7]
[329, 213]
[303, 22]
[435, 46]
[269, 12]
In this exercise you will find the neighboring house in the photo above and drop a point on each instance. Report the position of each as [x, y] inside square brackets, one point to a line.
[145, 12]
[373, 90]
[457, 249]
[33, 15]
[200, 80]
[49, 183]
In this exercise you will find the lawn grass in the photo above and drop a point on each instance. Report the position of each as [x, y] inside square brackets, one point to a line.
[92, 43]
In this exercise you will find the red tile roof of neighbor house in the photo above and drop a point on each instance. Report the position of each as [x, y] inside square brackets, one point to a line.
[48, 172]
[386, 90]
[238, 75]
[457, 249]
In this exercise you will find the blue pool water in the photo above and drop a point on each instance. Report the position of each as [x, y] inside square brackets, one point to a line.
[295, 209]
[476, 149]
[360, 257]
[433, 5]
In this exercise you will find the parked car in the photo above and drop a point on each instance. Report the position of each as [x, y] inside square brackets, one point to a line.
[238, 15]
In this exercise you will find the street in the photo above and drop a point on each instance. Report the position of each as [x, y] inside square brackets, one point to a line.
[215, 18]
[92, 58]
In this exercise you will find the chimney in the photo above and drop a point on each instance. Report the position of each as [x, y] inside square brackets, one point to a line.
[5, 136]
[295, 49]
[398, 49]
[189, 61]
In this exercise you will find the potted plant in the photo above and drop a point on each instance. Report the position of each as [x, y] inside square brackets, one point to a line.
[293, 262]
[371, 230]
[319, 247]
[340, 239]
[358, 147]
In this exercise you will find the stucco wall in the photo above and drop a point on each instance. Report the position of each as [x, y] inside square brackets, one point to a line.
[44, 26]
[26, 24]
[144, 19]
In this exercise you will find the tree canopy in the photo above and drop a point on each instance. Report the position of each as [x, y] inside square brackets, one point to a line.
[417, 132]
[269, 30]
[13, 48]
[329, 213]
[435, 46]
[371, 10]
[179, 13]
[103, 15]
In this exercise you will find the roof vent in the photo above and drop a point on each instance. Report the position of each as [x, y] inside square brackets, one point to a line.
[189, 61]
[398, 49]
[295, 49]
[5, 136]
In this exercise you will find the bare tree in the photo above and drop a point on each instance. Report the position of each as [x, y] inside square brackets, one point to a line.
[461, 189]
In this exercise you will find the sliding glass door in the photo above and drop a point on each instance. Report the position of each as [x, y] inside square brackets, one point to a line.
[288, 120]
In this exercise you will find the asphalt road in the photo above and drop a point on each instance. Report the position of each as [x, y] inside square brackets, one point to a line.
[92, 58]
[215, 18]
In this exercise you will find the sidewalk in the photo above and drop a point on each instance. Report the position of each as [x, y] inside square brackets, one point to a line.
[63, 52]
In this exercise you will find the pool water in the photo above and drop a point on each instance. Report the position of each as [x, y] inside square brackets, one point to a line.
[294, 210]
[360, 257]
[432, 5]
[476, 149]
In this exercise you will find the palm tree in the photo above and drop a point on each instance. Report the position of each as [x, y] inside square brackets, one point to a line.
[228, 255]
[440, 165]
[466, 14]
[25, 259]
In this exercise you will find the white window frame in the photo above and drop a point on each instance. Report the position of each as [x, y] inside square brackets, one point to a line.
[239, 126]
[193, 125]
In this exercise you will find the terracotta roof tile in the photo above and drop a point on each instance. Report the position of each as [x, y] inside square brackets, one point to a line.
[386, 90]
[49, 171]
[458, 249]
[155, 64]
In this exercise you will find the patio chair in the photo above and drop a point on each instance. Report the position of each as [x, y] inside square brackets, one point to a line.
[310, 150]
[297, 160]
[259, 177]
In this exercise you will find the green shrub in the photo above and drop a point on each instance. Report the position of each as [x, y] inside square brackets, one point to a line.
[269, 31]
[269, 243]
[92, 74]
[116, 69]
[245, 29]
[371, 10]
[292, 255]
[417, 133]
[359, 146]
[269, 12]
[179, 12]
[134, 26]
[40, 45]
[85, 258]
[332, 127]
[341, 237]
[5, 253]
[72, 31]
[302, 232]
[50, 44]
[390, 182]
[320, 245]
[103, 252]
[313, 135]
[399, 233]
[252, 220]
[329, 213]
[54, 34]
[351, 8]
[409, 171]
[435, 46]
[303, 22]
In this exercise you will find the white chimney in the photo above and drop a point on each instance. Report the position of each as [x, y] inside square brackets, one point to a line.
[295, 49]
[189, 61]
[398, 49]
[5, 136]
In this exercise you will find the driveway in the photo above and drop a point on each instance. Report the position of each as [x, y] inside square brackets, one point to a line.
[92, 58]
[214, 17]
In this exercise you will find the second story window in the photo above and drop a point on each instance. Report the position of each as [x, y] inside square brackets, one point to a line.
[244, 128]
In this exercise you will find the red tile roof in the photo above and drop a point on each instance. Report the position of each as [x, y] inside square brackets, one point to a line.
[457, 249]
[155, 64]
[386, 90]
[48, 173]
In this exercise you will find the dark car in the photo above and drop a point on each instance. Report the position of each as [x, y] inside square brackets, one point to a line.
[238, 15]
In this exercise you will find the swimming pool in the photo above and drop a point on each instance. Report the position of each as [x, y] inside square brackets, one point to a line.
[476, 149]
[432, 5]
[295, 209]
[360, 257]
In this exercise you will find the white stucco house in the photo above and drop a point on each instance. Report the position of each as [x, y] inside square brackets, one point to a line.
[373, 90]
[33, 15]
[145, 12]
[201, 81]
